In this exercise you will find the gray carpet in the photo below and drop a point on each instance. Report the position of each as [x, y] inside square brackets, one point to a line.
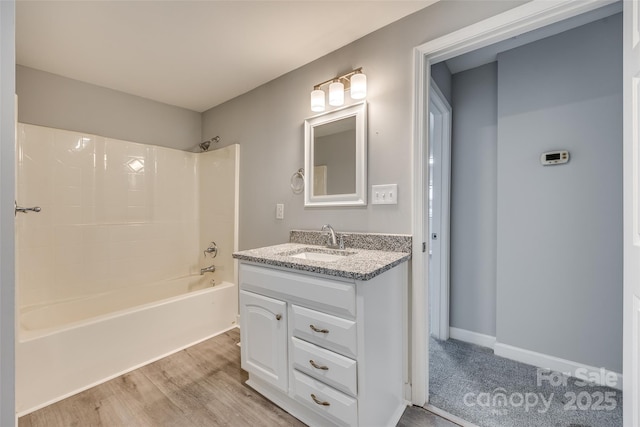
[490, 391]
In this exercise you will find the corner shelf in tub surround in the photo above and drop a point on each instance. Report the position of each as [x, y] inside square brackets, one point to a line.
[324, 331]
[366, 254]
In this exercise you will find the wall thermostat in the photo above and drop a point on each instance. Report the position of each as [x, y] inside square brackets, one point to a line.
[554, 157]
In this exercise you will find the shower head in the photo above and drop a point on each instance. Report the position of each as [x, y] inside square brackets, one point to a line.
[204, 146]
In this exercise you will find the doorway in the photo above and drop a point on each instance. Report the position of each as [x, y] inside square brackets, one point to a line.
[448, 52]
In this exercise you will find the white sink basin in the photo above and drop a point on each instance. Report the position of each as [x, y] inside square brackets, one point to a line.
[318, 256]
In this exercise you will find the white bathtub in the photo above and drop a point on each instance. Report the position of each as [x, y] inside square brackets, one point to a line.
[71, 346]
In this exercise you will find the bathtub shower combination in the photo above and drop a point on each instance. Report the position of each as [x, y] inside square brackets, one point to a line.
[114, 271]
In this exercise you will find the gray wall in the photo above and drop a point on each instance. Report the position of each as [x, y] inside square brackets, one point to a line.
[47, 99]
[473, 200]
[560, 227]
[7, 227]
[268, 123]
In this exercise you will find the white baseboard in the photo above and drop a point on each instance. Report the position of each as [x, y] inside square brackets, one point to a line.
[599, 376]
[472, 337]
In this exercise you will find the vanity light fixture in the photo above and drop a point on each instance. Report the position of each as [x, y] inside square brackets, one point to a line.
[336, 93]
[317, 100]
[354, 81]
[358, 86]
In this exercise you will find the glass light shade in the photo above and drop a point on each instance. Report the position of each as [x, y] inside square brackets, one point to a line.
[317, 100]
[358, 86]
[336, 94]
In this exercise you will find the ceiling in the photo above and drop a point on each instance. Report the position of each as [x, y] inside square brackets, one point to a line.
[192, 54]
[489, 53]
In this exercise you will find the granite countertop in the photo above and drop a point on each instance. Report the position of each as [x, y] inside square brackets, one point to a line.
[359, 264]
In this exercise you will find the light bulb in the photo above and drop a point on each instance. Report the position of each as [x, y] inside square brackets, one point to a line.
[317, 100]
[336, 94]
[358, 86]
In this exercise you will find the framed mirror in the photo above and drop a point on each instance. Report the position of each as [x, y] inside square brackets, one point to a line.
[335, 157]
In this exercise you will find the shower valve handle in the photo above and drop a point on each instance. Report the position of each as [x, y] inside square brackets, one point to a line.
[212, 249]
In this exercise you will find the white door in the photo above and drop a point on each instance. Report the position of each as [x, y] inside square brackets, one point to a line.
[438, 176]
[631, 183]
[264, 338]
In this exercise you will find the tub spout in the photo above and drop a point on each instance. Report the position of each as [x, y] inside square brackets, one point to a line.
[209, 269]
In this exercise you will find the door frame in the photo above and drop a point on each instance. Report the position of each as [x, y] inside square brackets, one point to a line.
[631, 212]
[8, 114]
[527, 17]
[441, 110]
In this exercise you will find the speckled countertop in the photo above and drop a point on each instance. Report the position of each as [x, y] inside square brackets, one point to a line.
[358, 264]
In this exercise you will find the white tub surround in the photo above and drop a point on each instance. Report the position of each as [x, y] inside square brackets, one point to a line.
[108, 271]
[326, 340]
[117, 214]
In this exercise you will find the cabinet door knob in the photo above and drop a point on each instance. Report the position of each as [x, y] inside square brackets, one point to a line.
[320, 402]
[315, 365]
[278, 316]
[322, 331]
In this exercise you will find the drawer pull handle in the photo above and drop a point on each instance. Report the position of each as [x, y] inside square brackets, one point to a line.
[322, 331]
[278, 316]
[318, 401]
[315, 365]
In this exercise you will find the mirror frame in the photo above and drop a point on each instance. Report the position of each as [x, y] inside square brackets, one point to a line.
[359, 198]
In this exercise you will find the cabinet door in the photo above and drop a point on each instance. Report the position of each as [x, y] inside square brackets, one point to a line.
[264, 338]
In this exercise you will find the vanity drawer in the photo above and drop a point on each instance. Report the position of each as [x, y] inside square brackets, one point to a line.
[324, 365]
[333, 296]
[337, 407]
[325, 330]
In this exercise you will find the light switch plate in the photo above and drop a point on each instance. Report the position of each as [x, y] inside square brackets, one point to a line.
[279, 211]
[386, 194]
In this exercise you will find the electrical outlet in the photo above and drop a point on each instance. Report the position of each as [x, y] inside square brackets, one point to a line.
[385, 194]
[279, 211]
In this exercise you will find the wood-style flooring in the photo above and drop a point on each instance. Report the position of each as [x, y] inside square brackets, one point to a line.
[202, 385]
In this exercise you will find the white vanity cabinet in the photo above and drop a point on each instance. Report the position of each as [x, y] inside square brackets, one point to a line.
[264, 350]
[328, 350]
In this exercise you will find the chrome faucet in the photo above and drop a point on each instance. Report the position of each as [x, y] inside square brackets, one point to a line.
[209, 269]
[332, 242]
